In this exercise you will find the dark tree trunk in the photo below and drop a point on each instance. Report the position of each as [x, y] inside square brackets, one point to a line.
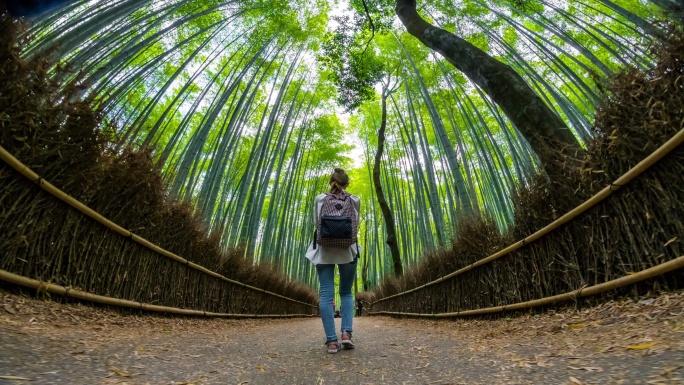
[364, 270]
[33, 8]
[384, 206]
[537, 122]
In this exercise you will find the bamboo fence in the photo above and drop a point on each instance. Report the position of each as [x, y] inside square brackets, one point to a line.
[127, 234]
[606, 192]
[630, 279]
[105, 300]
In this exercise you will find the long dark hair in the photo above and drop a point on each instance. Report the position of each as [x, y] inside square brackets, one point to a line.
[338, 181]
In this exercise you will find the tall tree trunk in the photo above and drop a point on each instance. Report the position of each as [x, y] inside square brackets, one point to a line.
[536, 121]
[364, 269]
[384, 206]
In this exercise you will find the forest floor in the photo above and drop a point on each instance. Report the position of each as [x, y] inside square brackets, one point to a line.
[628, 342]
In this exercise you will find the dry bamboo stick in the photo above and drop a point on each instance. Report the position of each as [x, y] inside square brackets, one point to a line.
[642, 166]
[617, 283]
[73, 293]
[59, 194]
[64, 197]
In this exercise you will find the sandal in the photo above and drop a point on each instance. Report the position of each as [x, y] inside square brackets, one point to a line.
[347, 342]
[333, 346]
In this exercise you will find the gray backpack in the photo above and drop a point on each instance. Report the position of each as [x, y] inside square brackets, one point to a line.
[337, 223]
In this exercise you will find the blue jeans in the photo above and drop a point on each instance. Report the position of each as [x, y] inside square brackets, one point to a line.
[326, 278]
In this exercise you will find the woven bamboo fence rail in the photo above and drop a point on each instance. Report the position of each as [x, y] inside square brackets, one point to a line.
[88, 212]
[626, 178]
[74, 293]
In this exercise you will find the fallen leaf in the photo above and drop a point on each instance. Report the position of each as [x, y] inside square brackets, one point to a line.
[577, 326]
[587, 368]
[641, 346]
[260, 367]
[14, 378]
[119, 372]
[679, 328]
[667, 371]
[575, 381]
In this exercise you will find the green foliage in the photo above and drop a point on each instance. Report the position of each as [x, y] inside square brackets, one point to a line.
[353, 67]
[480, 41]
[377, 15]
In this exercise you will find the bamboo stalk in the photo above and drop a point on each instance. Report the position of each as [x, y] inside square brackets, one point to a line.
[642, 166]
[617, 283]
[73, 293]
[64, 197]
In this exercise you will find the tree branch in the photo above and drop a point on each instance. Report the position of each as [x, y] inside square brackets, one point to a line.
[370, 21]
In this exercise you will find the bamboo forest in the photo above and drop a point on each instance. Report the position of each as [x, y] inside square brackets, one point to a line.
[439, 117]
[165, 155]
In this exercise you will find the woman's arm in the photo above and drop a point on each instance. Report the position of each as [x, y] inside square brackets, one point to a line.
[315, 212]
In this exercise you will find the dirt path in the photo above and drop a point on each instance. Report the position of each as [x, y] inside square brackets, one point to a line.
[616, 343]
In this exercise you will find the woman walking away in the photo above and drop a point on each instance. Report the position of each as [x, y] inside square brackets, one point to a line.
[336, 215]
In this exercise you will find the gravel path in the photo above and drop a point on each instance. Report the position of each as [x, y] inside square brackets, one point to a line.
[615, 343]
